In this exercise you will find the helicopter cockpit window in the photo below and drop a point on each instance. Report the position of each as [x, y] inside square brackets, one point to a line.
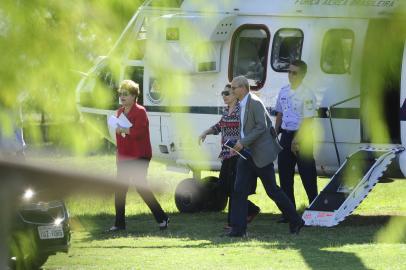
[286, 47]
[106, 77]
[136, 47]
[337, 51]
[249, 51]
[98, 90]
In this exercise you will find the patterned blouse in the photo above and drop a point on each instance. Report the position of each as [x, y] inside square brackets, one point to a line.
[229, 127]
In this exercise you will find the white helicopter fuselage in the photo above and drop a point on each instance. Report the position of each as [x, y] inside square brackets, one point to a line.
[258, 39]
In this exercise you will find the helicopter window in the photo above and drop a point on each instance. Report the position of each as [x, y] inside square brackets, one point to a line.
[286, 47]
[337, 51]
[249, 51]
[136, 74]
[99, 89]
[106, 79]
[136, 44]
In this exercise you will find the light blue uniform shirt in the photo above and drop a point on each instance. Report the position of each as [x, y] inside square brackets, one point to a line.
[295, 105]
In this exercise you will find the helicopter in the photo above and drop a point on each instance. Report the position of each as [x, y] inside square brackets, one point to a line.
[183, 52]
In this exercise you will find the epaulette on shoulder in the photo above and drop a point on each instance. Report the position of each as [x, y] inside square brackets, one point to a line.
[286, 87]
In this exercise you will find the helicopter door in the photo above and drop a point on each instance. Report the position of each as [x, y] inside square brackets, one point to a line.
[134, 70]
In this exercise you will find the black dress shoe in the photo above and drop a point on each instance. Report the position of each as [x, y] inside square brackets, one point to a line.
[164, 224]
[236, 234]
[282, 220]
[115, 229]
[251, 217]
[295, 228]
[227, 227]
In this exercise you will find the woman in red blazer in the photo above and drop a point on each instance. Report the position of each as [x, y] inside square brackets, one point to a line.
[133, 156]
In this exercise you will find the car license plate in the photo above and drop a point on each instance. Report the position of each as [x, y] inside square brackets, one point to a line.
[50, 232]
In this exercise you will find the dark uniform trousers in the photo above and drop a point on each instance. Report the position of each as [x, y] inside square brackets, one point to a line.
[306, 165]
[135, 171]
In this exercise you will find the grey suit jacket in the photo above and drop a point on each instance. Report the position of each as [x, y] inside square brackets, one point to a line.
[263, 146]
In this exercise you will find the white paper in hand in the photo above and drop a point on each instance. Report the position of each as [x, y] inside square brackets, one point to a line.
[124, 122]
[113, 122]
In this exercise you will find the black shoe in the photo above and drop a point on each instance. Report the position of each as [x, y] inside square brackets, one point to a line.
[115, 229]
[236, 234]
[282, 220]
[295, 228]
[164, 224]
[251, 217]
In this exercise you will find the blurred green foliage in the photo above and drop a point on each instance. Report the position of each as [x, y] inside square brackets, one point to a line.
[43, 43]
[382, 64]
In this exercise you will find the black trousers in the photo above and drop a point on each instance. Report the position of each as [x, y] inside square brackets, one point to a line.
[135, 172]
[227, 181]
[246, 173]
[306, 165]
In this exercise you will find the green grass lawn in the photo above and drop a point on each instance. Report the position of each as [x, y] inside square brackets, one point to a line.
[373, 238]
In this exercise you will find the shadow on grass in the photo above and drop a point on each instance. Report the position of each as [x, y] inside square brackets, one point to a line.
[317, 245]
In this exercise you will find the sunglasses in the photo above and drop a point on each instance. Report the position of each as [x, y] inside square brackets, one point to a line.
[123, 94]
[225, 93]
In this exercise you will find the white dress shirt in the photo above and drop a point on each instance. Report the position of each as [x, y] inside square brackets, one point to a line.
[243, 103]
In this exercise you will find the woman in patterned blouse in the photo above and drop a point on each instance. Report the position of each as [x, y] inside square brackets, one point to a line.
[229, 127]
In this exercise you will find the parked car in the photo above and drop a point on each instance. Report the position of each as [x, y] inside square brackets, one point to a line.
[39, 230]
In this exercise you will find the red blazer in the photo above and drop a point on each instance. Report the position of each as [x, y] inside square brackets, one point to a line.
[137, 144]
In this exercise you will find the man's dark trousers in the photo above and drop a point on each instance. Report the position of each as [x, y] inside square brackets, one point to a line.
[227, 181]
[305, 164]
[246, 172]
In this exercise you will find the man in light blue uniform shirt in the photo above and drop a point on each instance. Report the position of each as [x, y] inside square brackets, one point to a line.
[296, 107]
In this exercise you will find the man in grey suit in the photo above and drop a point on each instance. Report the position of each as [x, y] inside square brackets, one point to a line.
[257, 138]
